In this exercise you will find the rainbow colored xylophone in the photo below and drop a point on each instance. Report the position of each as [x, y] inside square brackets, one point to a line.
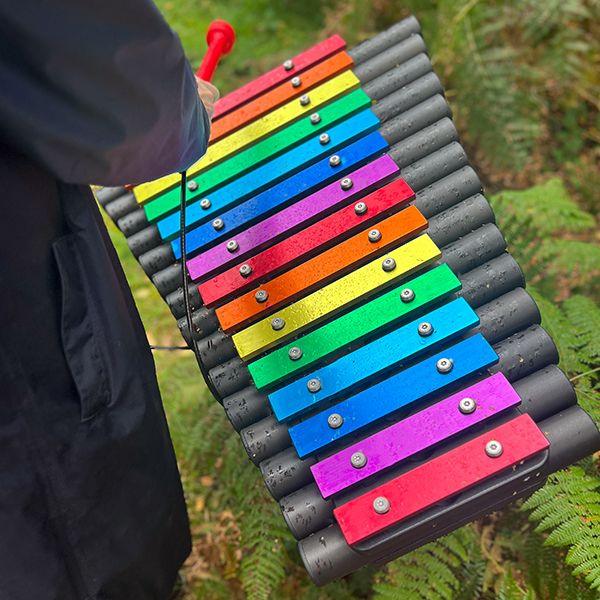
[355, 310]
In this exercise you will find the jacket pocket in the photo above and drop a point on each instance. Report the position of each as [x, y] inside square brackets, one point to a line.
[79, 330]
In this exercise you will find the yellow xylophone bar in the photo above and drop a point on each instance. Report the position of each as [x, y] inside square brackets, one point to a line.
[334, 297]
[267, 125]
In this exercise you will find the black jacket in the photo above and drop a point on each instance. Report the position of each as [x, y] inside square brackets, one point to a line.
[91, 504]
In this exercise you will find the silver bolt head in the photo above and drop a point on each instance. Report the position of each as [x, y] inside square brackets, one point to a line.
[232, 246]
[296, 81]
[444, 365]
[192, 186]
[288, 65]
[277, 324]
[218, 224]
[346, 183]
[494, 449]
[315, 118]
[313, 385]
[305, 100]
[360, 208]
[335, 421]
[205, 204]
[407, 295]
[295, 353]
[324, 139]
[425, 329]
[245, 270]
[334, 160]
[467, 406]
[381, 505]
[374, 235]
[358, 460]
[388, 265]
[261, 296]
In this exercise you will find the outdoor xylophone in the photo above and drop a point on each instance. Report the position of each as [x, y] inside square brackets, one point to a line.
[354, 307]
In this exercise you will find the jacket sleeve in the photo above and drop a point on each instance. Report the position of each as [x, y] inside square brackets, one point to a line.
[98, 91]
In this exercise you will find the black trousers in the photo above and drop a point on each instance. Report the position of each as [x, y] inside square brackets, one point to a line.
[91, 504]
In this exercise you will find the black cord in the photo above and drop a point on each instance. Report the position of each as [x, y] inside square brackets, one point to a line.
[185, 285]
[170, 348]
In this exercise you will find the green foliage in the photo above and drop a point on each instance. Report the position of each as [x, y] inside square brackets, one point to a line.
[568, 507]
[535, 223]
[437, 571]
[510, 590]
[518, 74]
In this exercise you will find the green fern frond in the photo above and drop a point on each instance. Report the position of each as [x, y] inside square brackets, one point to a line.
[575, 496]
[510, 590]
[435, 571]
[263, 531]
[548, 205]
[584, 314]
[573, 327]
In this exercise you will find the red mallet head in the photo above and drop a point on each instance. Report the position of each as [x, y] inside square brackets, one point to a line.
[220, 38]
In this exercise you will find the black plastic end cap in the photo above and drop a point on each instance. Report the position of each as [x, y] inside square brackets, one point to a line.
[285, 472]
[108, 194]
[121, 206]
[133, 222]
[157, 259]
[168, 280]
[231, 377]
[144, 241]
[246, 407]
[268, 438]
[176, 302]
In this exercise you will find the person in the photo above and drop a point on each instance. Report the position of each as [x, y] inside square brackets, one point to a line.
[91, 504]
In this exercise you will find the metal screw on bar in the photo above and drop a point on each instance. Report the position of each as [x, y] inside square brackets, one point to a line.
[381, 505]
[218, 224]
[346, 183]
[444, 365]
[261, 296]
[205, 204]
[232, 246]
[374, 235]
[192, 186]
[493, 449]
[277, 324]
[360, 208]
[425, 329]
[313, 385]
[305, 100]
[467, 406]
[315, 118]
[407, 295]
[288, 65]
[358, 460]
[324, 139]
[296, 82]
[335, 421]
[295, 353]
[334, 160]
[245, 270]
[388, 265]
